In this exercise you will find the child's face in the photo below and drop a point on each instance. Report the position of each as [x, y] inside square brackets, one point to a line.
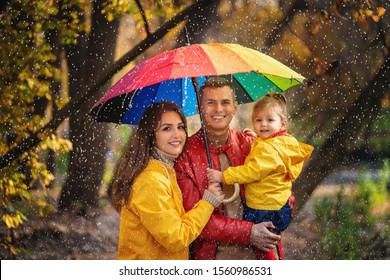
[267, 122]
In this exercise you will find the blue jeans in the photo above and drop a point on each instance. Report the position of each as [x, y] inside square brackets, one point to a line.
[280, 218]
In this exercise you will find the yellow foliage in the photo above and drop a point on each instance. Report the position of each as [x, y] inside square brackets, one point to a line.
[11, 190]
[54, 143]
[42, 203]
[110, 17]
[30, 83]
[380, 11]
[13, 221]
[28, 69]
[13, 250]
[61, 102]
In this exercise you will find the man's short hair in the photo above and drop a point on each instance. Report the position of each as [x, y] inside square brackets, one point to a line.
[217, 82]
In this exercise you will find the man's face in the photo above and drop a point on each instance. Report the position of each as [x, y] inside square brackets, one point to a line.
[218, 108]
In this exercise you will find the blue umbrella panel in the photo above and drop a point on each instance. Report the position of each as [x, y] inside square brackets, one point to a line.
[128, 108]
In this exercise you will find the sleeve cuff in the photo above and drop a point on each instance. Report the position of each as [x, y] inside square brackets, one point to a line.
[211, 198]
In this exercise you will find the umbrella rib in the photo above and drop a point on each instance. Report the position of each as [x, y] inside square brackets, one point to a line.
[129, 104]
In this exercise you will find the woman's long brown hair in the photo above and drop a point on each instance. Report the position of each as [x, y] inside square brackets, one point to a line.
[138, 152]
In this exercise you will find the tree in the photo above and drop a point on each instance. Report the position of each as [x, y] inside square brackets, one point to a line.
[343, 97]
[86, 60]
[27, 69]
[320, 40]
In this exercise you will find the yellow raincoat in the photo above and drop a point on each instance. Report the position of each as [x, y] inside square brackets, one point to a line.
[269, 170]
[154, 225]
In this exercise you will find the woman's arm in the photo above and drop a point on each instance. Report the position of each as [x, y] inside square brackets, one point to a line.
[159, 213]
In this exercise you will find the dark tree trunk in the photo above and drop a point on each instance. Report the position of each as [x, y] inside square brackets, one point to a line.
[87, 160]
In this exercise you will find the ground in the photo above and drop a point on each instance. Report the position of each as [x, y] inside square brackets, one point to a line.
[69, 236]
[75, 237]
[94, 237]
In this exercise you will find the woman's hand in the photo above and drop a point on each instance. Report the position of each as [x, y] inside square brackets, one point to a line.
[215, 189]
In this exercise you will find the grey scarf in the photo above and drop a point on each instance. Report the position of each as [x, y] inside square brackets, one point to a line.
[163, 156]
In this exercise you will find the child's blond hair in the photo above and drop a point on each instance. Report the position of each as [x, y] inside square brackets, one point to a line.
[275, 102]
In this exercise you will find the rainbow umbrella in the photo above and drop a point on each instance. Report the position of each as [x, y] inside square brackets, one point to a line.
[176, 76]
[168, 76]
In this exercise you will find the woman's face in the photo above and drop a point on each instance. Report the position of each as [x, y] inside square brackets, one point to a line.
[171, 133]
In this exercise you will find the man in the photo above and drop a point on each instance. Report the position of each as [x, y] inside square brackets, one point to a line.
[226, 236]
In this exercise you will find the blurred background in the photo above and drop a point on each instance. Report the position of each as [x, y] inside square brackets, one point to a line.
[57, 58]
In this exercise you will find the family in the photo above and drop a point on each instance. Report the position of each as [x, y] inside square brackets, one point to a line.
[171, 202]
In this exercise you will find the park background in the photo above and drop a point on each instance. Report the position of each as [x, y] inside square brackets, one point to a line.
[59, 57]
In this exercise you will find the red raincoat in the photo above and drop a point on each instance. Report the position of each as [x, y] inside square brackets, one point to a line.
[191, 176]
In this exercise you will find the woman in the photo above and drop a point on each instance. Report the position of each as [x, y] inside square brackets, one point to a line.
[154, 224]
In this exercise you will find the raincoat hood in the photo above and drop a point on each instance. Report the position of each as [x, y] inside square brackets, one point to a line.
[292, 153]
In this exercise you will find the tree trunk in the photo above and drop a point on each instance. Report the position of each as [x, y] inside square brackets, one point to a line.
[331, 153]
[87, 160]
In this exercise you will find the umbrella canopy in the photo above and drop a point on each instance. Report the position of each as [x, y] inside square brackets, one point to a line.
[168, 76]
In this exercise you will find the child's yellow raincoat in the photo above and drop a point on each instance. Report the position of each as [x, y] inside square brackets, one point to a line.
[269, 170]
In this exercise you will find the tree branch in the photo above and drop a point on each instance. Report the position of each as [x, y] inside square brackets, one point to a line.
[143, 17]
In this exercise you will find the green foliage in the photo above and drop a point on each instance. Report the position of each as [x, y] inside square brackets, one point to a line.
[352, 223]
[379, 142]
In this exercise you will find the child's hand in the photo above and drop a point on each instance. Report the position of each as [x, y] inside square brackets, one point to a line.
[215, 189]
[214, 176]
[249, 132]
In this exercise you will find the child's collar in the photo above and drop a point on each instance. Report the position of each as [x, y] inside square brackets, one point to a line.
[279, 133]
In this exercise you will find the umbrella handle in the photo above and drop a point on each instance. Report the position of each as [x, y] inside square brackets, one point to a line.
[234, 196]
